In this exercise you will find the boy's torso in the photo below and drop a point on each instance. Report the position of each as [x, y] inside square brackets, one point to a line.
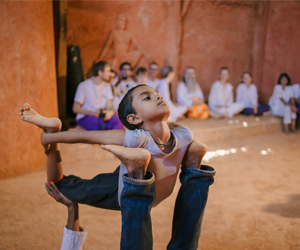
[165, 167]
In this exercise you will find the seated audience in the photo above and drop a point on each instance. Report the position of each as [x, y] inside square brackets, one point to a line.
[177, 110]
[153, 71]
[282, 102]
[296, 88]
[141, 76]
[93, 101]
[246, 93]
[220, 99]
[122, 83]
[190, 95]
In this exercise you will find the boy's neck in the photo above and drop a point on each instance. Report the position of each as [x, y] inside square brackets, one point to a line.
[159, 131]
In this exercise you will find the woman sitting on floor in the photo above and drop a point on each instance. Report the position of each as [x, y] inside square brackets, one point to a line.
[246, 93]
[220, 99]
[282, 102]
[190, 95]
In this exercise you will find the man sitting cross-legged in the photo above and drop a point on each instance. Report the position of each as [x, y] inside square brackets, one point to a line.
[151, 152]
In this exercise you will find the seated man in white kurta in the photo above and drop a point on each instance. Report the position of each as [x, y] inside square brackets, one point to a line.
[221, 99]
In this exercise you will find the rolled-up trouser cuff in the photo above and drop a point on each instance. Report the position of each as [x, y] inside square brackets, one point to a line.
[149, 179]
[203, 171]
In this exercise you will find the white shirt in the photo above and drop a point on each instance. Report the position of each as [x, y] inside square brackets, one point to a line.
[184, 96]
[247, 95]
[287, 93]
[220, 95]
[163, 89]
[165, 167]
[92, 96]
[153, 84]
[296, 89]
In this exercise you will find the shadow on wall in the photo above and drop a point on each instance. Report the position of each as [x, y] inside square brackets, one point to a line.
[290, 209]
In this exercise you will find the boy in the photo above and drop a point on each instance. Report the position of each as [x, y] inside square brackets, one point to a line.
[150, 162]
[141, 76]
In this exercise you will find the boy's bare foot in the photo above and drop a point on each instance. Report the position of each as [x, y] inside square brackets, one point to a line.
[50, 125]
[136, 160]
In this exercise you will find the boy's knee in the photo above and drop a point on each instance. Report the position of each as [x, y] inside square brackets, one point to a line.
[194, 154]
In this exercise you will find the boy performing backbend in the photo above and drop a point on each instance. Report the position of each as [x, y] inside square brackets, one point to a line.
[151, 152]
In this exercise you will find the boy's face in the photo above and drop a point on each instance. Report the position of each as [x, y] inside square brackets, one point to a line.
[141, 78]
[149, 105]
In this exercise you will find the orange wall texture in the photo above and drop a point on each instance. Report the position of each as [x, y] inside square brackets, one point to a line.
[27, 69]
[260, 36]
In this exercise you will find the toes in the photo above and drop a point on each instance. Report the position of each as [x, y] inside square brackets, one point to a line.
[26, 106]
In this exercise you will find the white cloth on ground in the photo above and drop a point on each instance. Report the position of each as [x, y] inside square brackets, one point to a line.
[165, 167]
[184, 96]
[176, 111]
[153, 84]
[278, 108]
[223, 96]
[247, 95]
[92, 96]
[73, 240]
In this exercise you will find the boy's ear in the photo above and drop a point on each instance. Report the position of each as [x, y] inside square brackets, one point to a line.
[134, 119]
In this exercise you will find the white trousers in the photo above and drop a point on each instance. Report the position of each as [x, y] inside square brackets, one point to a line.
[231, 110]
[285, 111]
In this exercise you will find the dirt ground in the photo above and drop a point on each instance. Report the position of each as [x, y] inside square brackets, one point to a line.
[253, 204]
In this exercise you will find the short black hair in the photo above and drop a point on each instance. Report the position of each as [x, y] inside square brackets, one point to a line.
[125, 63]
[126, 108]
[141, 70]
[165, 70]
[99, 66]
[286, 76]
[223, 68]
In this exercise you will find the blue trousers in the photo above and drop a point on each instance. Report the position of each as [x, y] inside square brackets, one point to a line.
[260, 110]
[138, 197]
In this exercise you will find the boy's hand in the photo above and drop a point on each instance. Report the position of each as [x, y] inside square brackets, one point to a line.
[58, 196]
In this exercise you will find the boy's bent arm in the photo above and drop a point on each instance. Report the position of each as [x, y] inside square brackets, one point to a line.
[111, 137]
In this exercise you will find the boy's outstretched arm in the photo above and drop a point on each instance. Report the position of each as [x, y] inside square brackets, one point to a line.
[111, 137]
